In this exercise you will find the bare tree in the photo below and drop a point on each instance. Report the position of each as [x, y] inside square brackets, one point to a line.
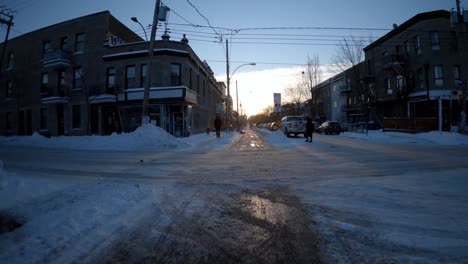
[349, 58]
[297, 95]
[312, 76]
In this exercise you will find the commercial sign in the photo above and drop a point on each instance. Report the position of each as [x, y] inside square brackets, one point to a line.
[277, 101]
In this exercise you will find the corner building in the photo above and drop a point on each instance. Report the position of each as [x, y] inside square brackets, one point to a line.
[86, 76]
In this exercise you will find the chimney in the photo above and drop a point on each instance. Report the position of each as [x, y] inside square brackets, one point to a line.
[165, 36]
[395, 26]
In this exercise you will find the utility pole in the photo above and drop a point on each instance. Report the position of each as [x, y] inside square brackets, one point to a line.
[228, 100]
[145, 117]
[9, 23]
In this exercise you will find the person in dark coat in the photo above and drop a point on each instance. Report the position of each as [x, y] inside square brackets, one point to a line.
[218, 123]
[309, 130]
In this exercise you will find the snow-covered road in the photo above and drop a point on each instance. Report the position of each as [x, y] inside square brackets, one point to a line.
[266, 198]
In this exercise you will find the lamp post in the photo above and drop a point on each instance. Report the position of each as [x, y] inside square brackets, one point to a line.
[229, 96]
[134, 19]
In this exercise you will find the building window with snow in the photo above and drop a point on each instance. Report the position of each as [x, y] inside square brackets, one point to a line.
[110, 81]
[175, 74]
[9, 89]
[435, 41]
[80, 40]
[456, 76]
[44, 83]
[438, 76]
[43, 121]
[143, 71]
[130, 77]
[420, 79]
[46, 47]
[64, 43]
[417, 45]
[8, 121]
[76, 117]
[11, 61]
[400, 82]
[77, 78]
[389, 86]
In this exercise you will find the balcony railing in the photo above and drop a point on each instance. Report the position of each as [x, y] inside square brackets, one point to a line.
[57, 59]
[393, 61]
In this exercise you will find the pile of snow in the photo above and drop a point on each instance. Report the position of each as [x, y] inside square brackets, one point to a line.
[278, 138]
[433, 137]
[146, 137]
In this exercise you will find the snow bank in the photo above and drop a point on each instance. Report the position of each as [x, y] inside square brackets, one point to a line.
[433, 137]
[146, 137]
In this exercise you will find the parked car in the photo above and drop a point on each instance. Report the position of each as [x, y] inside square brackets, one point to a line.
[294, 125]
[330, 127]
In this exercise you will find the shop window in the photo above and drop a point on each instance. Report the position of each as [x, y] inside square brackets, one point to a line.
[43, 117]
[143, 71]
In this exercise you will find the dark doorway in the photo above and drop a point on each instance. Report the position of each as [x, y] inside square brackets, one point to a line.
[28, 123]
[60, 121]
[21, 123]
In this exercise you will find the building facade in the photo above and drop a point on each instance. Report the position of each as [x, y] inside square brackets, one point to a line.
[413, 78]
[76, 79]
[420, 69]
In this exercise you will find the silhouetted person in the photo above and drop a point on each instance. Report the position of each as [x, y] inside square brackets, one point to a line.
[218, 123]
[309, 130]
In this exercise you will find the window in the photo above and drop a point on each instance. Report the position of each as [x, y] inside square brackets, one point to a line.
[417, 44]
[11, 61]
[8, 121]
[80, 40]
[420, 79]
[204, 88]
[43, 119]
[130, 77]
[77, 78]
[61, 81]
[397, 49]
[438, 76]
[46, 47]
[389, 86]
[400, 83]
[435, 41]
[64, 43]
[175, 74]
[110, 80]
[76, 117]
[198, 84]
[407, 47]
[9, 89]
[456, 76]
[44, 83]
[143, 79]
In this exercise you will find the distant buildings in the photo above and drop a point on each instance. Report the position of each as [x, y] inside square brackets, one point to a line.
[418, 72]
[86, 76]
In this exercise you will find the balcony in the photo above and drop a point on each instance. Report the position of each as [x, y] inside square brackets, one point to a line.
[394, 62]
[58, 96]
[57, 59]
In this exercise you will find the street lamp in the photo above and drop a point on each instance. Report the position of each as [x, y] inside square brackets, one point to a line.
[237, 98]
[134, 19]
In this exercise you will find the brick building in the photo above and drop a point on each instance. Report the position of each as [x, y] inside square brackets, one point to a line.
[420, 69]
[72, 78]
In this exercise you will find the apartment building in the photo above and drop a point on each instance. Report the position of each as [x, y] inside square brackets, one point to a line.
[86, 76]
[420, 70]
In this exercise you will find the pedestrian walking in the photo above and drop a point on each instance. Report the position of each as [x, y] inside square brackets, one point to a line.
[217, 124]
[309, 130]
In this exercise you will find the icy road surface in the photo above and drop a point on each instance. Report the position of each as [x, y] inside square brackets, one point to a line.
[336, 200]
